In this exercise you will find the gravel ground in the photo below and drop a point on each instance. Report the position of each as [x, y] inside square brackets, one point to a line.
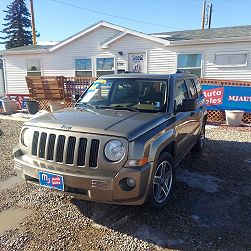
[10, 131]
[210, 209]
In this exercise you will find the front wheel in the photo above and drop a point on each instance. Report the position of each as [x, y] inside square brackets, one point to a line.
[162, 182]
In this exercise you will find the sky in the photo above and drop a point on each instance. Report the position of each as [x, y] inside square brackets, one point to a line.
[58, 19]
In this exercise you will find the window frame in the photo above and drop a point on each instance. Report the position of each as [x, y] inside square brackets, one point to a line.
[83, 70]
[96, 68]
[187, 68]
[40, 64]
[231, 53]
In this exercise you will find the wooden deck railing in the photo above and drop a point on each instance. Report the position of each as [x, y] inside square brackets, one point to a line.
[46, 87]
[76, 85]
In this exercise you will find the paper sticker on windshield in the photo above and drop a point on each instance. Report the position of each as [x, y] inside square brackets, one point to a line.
[101, 81]
[93, 88]
[88, 96]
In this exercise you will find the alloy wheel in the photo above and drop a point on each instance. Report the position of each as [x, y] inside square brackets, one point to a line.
[162, 181]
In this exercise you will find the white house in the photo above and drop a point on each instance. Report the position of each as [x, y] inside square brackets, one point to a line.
[103, 48]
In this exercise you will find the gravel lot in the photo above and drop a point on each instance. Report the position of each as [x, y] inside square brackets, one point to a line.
[210, 209]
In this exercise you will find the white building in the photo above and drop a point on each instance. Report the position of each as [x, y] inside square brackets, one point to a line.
[219, 53]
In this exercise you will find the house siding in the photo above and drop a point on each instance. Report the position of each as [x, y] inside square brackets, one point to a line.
[160, 58]
[1, 78]
[58, 63]
[212, 71]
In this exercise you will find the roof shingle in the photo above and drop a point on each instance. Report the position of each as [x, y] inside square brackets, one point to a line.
[225, 32]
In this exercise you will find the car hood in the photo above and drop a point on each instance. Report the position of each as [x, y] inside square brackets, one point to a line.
[125, 124]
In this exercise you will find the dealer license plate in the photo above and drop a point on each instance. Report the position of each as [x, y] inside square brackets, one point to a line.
[51, 180]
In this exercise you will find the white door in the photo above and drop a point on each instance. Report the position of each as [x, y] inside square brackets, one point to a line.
[137, 62]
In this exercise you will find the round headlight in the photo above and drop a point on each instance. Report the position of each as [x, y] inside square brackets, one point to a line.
[25, 137]
[114, 150]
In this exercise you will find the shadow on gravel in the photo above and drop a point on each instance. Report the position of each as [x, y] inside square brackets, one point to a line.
[194, 218]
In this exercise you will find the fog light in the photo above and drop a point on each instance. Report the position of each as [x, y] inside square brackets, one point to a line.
[131, 182]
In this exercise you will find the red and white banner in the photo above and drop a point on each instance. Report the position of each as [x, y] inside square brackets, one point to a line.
[214, 96]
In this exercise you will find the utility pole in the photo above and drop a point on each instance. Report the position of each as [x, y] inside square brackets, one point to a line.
[33, 24]
[210, 15]
[203, 14]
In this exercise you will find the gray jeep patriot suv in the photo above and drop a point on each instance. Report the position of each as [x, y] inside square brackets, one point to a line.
[120, 143]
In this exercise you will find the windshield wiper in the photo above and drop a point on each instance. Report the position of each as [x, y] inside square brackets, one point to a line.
[118, 107]
[86, 104]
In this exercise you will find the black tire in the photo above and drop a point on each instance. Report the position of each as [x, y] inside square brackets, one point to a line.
[155, 202]
[198, 147]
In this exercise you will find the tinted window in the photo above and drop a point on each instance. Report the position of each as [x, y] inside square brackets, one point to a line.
[198, 86]
[191, 88]
[181, 92]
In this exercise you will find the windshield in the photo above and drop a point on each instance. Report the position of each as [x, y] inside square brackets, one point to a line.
[126, 94]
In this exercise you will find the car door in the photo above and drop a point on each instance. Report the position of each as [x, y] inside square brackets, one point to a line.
[184, 126]
[196, 114]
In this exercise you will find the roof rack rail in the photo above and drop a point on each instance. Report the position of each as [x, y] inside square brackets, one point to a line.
[184, 72]
[127, 72]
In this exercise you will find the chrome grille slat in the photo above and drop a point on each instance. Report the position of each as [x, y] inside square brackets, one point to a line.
[75, 159]
[55, 148]
[66, 142]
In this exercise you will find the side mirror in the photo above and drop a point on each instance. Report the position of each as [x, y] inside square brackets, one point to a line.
[187, 105]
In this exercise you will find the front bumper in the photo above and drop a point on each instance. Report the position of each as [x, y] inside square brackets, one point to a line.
[94, 187]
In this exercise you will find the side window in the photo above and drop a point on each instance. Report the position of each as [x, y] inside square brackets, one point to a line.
[181, 92]
[198, 86]
[191, 88]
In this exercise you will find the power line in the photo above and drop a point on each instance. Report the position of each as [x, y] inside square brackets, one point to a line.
[111, 15]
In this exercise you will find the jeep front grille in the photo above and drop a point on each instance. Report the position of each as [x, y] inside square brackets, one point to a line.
[65, 149]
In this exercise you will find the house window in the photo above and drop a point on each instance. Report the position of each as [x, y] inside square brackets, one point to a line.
[189, 63]
[33, 67]
[83, 67]
[105, 66]
[231, 59]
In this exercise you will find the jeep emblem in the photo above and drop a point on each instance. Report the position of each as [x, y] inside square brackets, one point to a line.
[66, 127]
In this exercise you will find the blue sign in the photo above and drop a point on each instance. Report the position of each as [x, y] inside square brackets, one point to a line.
[51, 180]
[227, 97]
